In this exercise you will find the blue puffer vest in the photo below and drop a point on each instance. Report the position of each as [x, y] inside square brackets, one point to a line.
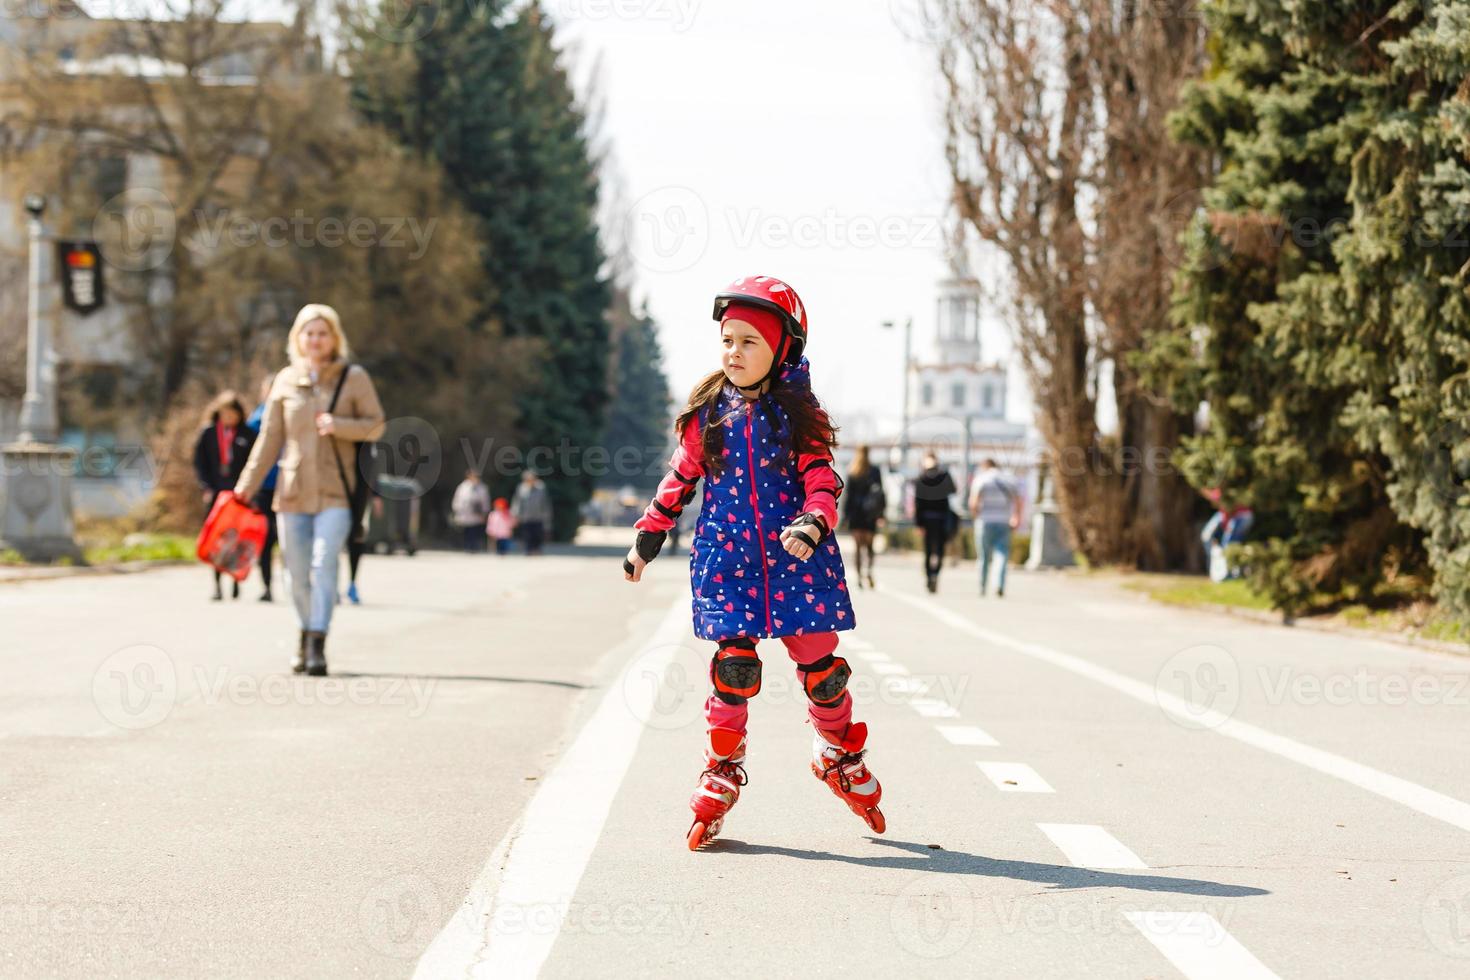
[744, 583]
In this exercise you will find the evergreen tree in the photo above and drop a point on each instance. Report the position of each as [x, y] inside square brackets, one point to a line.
[638, 416]
[1399, 303]
[483, 93]
[1293, 93]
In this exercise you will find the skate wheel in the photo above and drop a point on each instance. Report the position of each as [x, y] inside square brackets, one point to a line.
[874, 817]
[696, 835]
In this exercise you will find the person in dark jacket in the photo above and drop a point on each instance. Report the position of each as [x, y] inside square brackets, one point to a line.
[219, 455]
[933, 515]
[862, 508]
[262, 500]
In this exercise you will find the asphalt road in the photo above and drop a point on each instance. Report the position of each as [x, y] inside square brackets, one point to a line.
[494, 783]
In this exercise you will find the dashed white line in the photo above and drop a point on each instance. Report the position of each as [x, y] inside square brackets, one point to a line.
[871, 656]
[1412, 795]
[1014, 777]
[966, 735]
[1090, 846]
[933, 708]
[889, 668]
[1199, 947]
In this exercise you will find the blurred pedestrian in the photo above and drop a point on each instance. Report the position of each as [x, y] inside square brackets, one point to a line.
[933, 515]
[319, 406]
[469, 510]
[500, 525]
[995, 504]
[863, 506]
[1228, 525]
[262, 501]
[219, 455]
[531, 508]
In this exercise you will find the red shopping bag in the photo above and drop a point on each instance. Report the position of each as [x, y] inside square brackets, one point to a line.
[233, 536]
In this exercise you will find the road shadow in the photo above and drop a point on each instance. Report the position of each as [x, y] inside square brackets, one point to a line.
[921, 857]
[461, 677]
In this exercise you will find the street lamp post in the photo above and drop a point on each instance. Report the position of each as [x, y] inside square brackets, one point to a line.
[38, 422]
[903, 435]
[36, 517]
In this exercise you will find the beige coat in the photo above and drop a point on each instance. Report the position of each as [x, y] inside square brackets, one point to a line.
[309, 481]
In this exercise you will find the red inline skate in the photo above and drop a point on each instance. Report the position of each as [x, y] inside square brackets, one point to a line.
[719, 784]
[837, 760]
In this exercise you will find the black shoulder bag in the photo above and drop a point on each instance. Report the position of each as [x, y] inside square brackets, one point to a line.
[357, 493]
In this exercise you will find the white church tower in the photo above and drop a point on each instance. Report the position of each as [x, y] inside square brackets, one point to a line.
[958, 385]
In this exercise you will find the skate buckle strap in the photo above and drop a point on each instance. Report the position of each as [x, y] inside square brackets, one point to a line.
[732, 771]
[851, 762]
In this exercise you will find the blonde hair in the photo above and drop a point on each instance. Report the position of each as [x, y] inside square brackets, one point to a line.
[317, 311]
[861, 462]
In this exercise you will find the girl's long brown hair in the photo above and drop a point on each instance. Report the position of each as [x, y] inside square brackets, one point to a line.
[811, 427]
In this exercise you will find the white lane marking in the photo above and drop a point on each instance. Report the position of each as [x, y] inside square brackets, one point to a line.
[886, 668]
[904, 685]
[966, 735]
[1014, 777]
[537, 867]
[854, 643]
[871, 656]
[933, 708]
[1198, 946]
[1089, 846]
[1412, 795]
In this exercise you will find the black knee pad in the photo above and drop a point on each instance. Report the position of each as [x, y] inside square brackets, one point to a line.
[735, 671]
[825, 680]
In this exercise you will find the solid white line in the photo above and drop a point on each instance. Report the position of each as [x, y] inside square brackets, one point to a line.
[1014, 777]
[1199, 947]
[1089, 846]
[886, 668]
[533, 874]
[1412, 795]
[933, 708]
[966, 735]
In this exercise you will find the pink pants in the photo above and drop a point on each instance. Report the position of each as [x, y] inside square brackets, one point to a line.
[805, 649]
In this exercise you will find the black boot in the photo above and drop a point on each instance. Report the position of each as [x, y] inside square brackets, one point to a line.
[298, 662]
[316, 654]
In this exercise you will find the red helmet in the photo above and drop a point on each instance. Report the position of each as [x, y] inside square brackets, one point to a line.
[769, 293]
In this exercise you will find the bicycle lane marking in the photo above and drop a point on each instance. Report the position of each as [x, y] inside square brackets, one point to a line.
[1420, 798]
[510, 920]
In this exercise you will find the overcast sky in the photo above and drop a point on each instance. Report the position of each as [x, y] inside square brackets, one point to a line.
[801, 140]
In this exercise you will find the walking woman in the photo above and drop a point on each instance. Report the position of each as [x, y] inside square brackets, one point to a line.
[863, 507]
[932, 513]
[219, 456]
[320, 405]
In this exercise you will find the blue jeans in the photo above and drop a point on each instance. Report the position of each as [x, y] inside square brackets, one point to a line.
[994, 539]
[310, 544]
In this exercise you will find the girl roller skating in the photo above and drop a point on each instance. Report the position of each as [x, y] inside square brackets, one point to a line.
[764, 562]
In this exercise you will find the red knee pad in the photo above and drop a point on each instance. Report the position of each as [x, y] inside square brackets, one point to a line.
[825, 680]
[735, 671]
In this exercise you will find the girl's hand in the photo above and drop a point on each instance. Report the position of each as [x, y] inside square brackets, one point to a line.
[325, 424]
[638, 566]
[794, 545]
